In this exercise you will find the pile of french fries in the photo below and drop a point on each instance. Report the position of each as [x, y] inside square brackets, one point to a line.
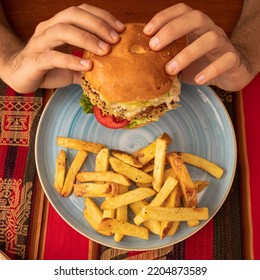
[151, 182]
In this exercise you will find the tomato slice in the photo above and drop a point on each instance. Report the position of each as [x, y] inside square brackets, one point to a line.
[109, 121]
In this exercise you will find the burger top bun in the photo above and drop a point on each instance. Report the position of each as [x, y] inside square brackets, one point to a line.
[131, 71]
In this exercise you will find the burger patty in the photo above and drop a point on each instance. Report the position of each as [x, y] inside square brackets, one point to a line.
[151, 113]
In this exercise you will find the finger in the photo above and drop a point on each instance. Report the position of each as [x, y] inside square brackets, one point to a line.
[105, 15]
[164, 17]
[62, 33]
[225, 63]
[194, 22]
[54, 59]
[83, 20]
[210, 44]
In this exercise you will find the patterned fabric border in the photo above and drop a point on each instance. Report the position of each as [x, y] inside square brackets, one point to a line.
[19, 116]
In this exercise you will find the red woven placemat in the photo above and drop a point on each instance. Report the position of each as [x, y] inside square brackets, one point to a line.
[19, 116]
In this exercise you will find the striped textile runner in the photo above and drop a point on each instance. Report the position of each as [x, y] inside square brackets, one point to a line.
[19, 116]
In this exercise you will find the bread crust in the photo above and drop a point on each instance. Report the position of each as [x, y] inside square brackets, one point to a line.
[131, 71]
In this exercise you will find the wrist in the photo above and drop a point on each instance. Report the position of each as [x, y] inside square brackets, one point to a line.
[10, 46]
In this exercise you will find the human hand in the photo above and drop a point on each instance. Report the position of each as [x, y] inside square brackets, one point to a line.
[208, 58]
[40, 64]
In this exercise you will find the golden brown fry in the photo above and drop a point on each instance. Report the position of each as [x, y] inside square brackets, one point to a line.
[109, 213]
[200, 185]
[173, 200]
[93, 215]
[183, 176]
[130, 172]
[96, 189]
[174, 214]
[127, 198]
[124, 228]
[121, 214]
[60, 172]
[136, 207]
[159, 163]
[77, 144]
[144, 185]
[160, 197]
[72, 172]
[101, 163]
[147, 153]
[169, 172]
[202, 163]
[108, 176]
[126, 158]
[148, 167]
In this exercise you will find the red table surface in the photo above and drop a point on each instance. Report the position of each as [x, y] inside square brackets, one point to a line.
[63, 242]
[251, 99]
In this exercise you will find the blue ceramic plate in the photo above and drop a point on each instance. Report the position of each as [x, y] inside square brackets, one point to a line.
[201, 125]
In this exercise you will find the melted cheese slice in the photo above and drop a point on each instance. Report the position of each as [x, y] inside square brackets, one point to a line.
[133, 108]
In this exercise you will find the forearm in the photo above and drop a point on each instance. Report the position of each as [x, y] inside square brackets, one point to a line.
[245, 36]
[9, 43]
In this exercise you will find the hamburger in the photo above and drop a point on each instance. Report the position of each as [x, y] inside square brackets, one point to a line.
[129, 87]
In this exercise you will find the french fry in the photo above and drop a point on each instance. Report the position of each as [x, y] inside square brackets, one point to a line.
[102, 163]
[200, 185]
[60, 171]
[173, 200]
[144, 185]
[183, 176]
[72, 172]
[121, 215]
[202, 163]
[147, 153]
[130, 172]
[127, 198]
[126, 158]
[136, 207]
[93, 215]
[77, 144]
[109, 213]
[188, 189]
[160, 197]
[124, 228]
[169, 172]
[108, 176]
[159, 162]
[148, 167]
[174, 214]
[96, 189]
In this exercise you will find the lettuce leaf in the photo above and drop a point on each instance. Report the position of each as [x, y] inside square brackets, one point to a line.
[135, 123]
[86, 104]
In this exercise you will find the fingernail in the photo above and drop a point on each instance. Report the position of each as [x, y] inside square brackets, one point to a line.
[119, 24]
[200, 79]
[171, 67]
[85, 62]
[148, 28]
[103, 46]
[114, 35]
[154, 42]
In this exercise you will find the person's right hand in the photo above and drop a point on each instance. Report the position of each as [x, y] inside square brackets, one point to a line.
[209, 58]
[39, 64]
